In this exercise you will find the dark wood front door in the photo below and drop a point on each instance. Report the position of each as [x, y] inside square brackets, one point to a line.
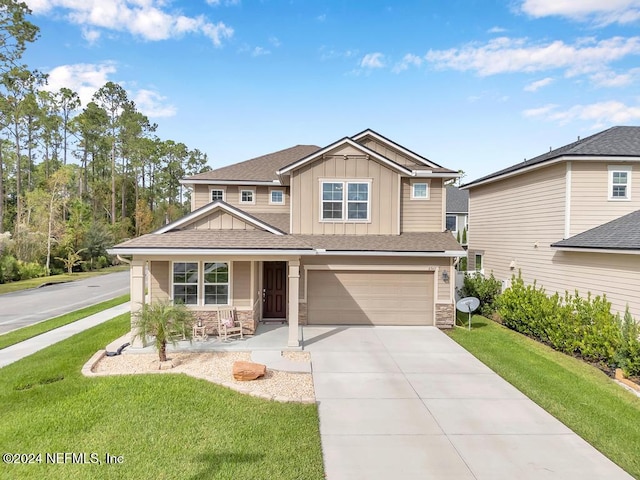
[274, 295]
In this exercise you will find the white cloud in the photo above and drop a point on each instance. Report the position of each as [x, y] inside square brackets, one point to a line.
[372, 60]
[609, 78]
[407, 61]
[152, 104]
[538, 84]
[330, 54]
[600, 114]
[86, 79]
[508, 55]
[91, 35]
[148, 19]
[496, 30]
[275, 41]
[599, 11]
[321, 18]
[259, 51]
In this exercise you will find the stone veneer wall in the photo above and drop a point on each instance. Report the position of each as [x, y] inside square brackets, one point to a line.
[210, 320]
[445, 315]
[302, 313]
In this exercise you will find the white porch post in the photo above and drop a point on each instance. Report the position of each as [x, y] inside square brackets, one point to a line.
[137, 273]
[294, 290]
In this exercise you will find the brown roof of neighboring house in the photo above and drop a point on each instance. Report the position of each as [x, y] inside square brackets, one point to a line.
[259, 169]
[261, 240]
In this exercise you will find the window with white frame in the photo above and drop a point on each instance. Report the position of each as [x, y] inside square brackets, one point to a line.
[619, 182]
[354, 206]
[452, 223]
[217, 194]
[247, 196]
[420, 191]
[276, 197]
[191, 287]
[479, 262]
[216, 283]
[185, 283]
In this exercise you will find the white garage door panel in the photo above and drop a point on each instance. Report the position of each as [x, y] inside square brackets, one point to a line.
[370, 298]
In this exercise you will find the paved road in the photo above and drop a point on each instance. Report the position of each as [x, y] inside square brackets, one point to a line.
[27, 307]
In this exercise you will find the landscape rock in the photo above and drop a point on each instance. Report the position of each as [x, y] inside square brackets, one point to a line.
[245, 371]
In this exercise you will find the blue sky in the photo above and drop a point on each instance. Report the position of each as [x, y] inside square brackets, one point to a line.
[472, 85]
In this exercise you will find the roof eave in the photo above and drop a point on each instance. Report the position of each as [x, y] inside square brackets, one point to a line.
[186, 181]
[620, 251]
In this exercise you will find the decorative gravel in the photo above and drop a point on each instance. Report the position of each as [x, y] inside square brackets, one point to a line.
[217, 367]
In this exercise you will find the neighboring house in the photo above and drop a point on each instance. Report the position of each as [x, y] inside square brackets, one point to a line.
[568, 219]
[351, 233]
[457, 217]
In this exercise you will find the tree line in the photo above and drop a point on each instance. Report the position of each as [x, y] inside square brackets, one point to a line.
[75, 179]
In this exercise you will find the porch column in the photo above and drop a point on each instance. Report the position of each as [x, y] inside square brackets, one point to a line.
[294, 290]
[137, 272]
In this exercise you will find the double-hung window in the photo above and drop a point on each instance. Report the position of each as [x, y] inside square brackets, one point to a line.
[217, 194]
[452, 223]
[276, 197]
[619, 182]
[345, 200]
[185, 282]
[420, 191]
[205, 283]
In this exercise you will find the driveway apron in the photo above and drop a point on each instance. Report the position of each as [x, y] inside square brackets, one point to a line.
[409, 402]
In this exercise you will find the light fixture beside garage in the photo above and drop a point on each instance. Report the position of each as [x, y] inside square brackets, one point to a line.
[445, 275]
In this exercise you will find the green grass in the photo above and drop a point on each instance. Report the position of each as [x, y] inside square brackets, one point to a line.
[65, 277]
[164, 426]
[579, 395]
[25, 333]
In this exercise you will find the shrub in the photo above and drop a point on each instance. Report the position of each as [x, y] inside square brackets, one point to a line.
[27, 270]
[628, 354]
[484, 289]
[8, 268]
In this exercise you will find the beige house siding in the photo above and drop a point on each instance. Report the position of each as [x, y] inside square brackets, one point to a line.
[241, 272]
[219, 221]
[306, 203]
[590, 204]
[514, 222]
[390, 153]
[159, 272]
[422, 215]
[202, 196]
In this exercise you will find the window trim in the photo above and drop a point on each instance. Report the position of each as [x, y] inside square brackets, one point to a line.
[345, 201]
[455, 217]
[413, 190]
[475, 262]
[200, 302]
[612, 169]
[174, 283]
[253, 196]
[217, 189]
[205, 284]
[271, 191]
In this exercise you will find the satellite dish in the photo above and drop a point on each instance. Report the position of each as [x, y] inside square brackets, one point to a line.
[468, 305]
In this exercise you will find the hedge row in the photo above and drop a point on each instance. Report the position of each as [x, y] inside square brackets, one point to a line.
[572, 324]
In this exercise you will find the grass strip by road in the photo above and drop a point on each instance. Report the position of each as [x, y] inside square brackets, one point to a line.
[25, 333]
[577, 394]
[163, 426]
[62, 278]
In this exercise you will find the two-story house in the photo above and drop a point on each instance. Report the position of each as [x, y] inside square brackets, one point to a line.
[351, 233]
[568, 219]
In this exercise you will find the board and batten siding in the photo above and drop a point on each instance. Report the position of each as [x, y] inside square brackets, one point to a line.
[513, 222]
[344, 164]
[202, 196]
[590, 204]
[422, 215]
[219, 221]
[391, 153]
[241, 272]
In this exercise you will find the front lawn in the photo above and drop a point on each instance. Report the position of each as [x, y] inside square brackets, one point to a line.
[579, 395]
[163, 426]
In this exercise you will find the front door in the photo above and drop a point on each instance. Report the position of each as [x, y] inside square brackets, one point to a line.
[274, 293]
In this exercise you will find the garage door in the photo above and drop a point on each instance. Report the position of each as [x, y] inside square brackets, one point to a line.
[369, 298]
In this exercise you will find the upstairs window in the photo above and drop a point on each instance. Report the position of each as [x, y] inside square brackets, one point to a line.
[217, 194]
[452, 223]
[420, 191]
[247, 196]
[619, 183]
[355, 207]
[276, 197]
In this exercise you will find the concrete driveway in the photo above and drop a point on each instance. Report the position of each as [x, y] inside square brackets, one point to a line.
[408, 402]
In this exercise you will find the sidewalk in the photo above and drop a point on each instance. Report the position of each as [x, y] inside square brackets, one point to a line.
[23, 349]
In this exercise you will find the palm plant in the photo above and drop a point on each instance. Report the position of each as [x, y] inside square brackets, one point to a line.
[166, 322]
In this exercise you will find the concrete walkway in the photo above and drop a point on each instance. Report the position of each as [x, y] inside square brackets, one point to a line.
[28, 347]
[410, 403]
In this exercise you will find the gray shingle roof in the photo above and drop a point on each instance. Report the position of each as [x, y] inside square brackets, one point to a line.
[620, 234]
[259, 239]
[615, 141]
[457, 200]
[259, 169]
